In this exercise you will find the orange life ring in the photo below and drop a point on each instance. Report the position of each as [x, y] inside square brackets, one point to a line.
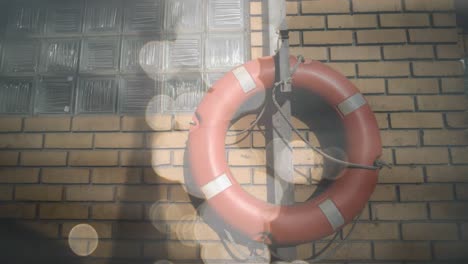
[299, 223]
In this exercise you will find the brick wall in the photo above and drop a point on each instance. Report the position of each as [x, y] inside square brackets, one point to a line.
[123, 175]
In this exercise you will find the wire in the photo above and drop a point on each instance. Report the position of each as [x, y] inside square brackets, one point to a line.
[325, 155]
[252, 125]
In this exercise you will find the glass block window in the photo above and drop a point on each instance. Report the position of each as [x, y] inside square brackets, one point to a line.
[115, 56]
[15, 95]
[54, 95]
[97, 95]
[102, 16]
[60, 55]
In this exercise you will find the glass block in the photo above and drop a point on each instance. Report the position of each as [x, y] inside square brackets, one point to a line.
[136, 93]
[20, 57]
[64, 19]
[185, 90]
[103, 16]
[183, 16]
[60, 55]
[97, 95]
[54, 95]
[25, 19]
[224, 51]
[146, 54]
[100, 54]
[15, 96]
[225, 14]
[143, 15]
[185, 52]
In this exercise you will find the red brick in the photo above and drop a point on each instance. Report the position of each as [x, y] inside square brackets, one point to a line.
[145, 158]
[155, 122]
[38, 193]
[445, 102]
[167, 139]
[429, 5]
[449, 211]
[444, 20]
[411, 86]
[352, 21]
[104, 211]
[96, 123]
[65, 175]
[457, 120]
[404, 20]
[8, 158]
[449, 52]
[316, 53]
[384, 192]
[10, 124]
[426, 192]
[399, 211]
[292, 8]
[401, 174]
[355, 53]
[370, 86]
[118, 140]
[6, 193]
[164, 175]
[421, 156]
[42, 229]
[93, 158]
[376, 6]
[399, 138]
[416, 120]
[383, 69]
[44, 158]
[117, 249]
[451, 250]
[445, 137]
[116, 175]
[462, 191]
[439, 68]
[391, 103]
[453, 85]
[328, 37]
[247, 157]
[346, 69]
[408, 52]
[373, 231]
[47, 124]
[141, 193]
[402, 251]
[75, 140]
[104, 230]
[19, 175]
[63, 211]
[378, 36]
[325, 6]
[305, 22]
[255, 8]
[18, 211]
[90, 193]
[433, 35]
[20, 141]
[447, 173]
[459, 155]
[256, 23]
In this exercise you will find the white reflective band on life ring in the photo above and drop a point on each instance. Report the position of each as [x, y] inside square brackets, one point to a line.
[352, 104]
[244, 78]
[335, 218]
[216, 186]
